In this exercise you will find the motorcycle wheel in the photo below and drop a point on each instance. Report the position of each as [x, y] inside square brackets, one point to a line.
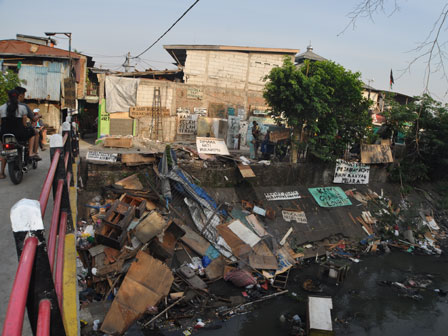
[15, 171]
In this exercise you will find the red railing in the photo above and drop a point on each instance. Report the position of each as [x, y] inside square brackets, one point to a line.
[57, 177]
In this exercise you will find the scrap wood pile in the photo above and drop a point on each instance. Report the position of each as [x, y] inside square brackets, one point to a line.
[140, 263]
[400, 226]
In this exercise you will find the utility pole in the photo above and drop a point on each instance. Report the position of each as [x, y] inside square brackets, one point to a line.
[127, 64]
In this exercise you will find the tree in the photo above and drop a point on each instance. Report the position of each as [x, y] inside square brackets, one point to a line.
[8, 81]
[321, 100]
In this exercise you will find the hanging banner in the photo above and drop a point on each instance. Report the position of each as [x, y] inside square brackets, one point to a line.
[187, 123]
[281, 195]
[211, 146]
[351, 172]
[376, 154]
[330, 197]
[298, 216]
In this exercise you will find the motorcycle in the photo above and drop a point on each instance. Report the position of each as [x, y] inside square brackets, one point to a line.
[17, 157]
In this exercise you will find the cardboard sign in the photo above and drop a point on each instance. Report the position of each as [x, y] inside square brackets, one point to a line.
[187, 123]
[351, 172]
[376, 154]
[282, 195]
[211, 146]
[140, 111]
[279, 135]
[100, 156]
[330, 197]
[298, 216]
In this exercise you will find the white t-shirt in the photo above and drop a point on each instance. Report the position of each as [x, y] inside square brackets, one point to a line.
[20, 112]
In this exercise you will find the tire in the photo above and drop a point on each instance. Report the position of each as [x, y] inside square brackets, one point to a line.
[34, 164]
[15, 171]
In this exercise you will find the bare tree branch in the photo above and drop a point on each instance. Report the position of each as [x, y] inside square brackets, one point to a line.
[367, 9]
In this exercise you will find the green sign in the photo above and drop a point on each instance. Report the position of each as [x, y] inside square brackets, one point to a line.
[330, 197]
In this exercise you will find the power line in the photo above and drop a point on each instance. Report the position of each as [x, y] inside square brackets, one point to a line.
[168, 29]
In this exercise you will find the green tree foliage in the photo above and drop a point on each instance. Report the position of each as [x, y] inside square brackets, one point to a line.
[8, 81]
[322, 102]
[425, 124]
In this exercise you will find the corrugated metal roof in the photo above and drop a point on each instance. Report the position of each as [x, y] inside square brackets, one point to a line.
[15, 47]
[42, 82]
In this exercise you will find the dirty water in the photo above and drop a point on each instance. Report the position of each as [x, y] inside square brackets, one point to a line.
[365, 307]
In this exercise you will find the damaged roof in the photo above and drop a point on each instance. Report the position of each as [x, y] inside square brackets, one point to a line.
[22, 48]
[179, 51]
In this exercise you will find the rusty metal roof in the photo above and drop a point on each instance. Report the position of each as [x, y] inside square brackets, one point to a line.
[179, 51]
[23, 48]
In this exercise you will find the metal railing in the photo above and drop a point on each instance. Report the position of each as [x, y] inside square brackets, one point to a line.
[38, 283]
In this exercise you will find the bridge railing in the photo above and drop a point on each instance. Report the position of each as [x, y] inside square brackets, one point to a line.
[39, 281]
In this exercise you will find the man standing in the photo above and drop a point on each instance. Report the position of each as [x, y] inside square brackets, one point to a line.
[256, 137]
[33, 117]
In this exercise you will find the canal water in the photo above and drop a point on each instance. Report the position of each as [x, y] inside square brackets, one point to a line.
[360, 305]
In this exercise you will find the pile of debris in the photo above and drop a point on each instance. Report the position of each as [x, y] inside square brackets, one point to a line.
[139, 262]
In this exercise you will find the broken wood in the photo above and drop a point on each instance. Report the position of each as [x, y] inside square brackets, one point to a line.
[163, 311]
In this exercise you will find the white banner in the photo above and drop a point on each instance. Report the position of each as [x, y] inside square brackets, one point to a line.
[187, 123]
[298, 216]
[211, 146]
[282, 195]
[351, 172]
[100, 156]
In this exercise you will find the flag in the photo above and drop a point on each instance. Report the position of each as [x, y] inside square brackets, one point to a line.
[391, 79]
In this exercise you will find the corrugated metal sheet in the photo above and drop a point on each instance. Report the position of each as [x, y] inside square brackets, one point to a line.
[42, 82]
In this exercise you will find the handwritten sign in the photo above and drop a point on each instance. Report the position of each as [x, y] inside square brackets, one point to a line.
[351, 172]
[187, 123]
[194, 93]
[282, 195]
[330, 197]
[298, 216]
[211, 146]
[140, 111]
[100, 156]
[279, 135]
[376, 154]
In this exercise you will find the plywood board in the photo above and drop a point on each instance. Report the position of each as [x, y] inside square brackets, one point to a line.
[119, 142]
[246, 171]
[238, 247]
[195, 241]
[256, 225]
[279, 135]
[245, 234]
[376, 154]
[136, 159]
[131, 182]
[263, 262]
[146, 283]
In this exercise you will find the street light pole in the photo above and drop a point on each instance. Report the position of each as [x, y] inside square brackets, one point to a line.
[69, 35]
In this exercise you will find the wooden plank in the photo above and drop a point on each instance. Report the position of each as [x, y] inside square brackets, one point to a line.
[263, 262]
[119, 142]
[131, 182]
[376, 154]
[136, 159]
[246, 171]
[196, 242]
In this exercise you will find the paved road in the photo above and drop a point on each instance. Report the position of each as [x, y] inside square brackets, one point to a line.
[10, 194]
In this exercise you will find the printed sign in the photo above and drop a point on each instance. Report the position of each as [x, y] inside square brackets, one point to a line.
[376, 154]
[187, 123]
[202, 111]
[279, 135]
[298, 216]
[100, 156]
[194, 93]
[351, 172]
[330, 197]
[140, 111]
[211, 146]
[282, 195]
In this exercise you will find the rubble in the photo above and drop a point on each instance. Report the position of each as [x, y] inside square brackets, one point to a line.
[155, 242]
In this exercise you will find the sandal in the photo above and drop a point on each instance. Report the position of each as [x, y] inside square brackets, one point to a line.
[2, 176]
[36, 157]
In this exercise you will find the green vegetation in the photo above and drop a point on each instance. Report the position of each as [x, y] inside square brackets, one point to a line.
[322, 102]
[8, 81]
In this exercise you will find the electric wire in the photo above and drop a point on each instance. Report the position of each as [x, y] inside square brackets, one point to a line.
[189, 8]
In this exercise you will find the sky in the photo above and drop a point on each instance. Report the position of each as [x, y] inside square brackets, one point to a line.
[108, 30]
